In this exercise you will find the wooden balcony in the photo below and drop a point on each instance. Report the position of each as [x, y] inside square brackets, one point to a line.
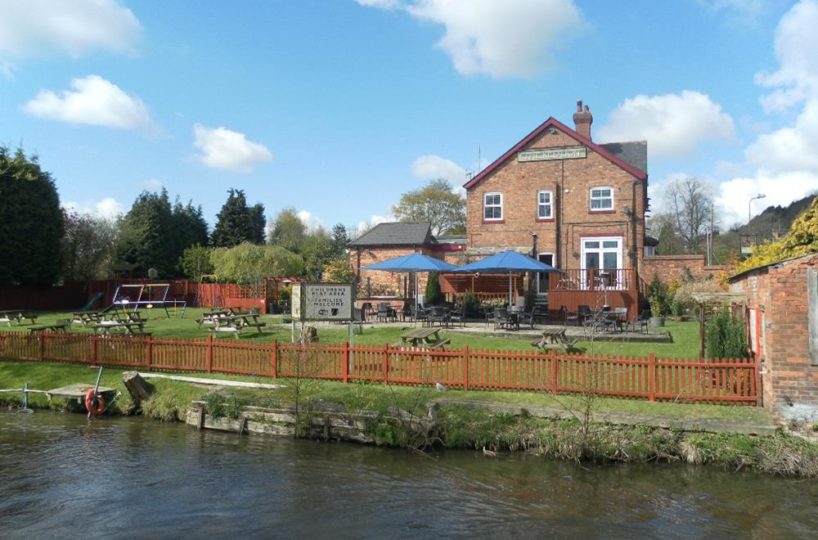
[594, 288]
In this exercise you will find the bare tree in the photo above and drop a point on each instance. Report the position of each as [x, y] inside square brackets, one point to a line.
[690, 203]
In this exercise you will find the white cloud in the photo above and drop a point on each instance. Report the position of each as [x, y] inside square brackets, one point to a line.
[513, 38]
[746, 9]
[107, 208]
[364, 226]
[36, 27]
[734, 195]
[94, 101]
[796, 41]
[381, 4]
[673, 124]
[432, 167]
[309, 220]
[222, 148]
[153, 184]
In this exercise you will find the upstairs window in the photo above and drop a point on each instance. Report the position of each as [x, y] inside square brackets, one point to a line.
[601, 199]
[493, 207]
[545, 209]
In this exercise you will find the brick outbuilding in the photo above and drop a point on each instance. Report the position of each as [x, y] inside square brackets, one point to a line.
[782, 301]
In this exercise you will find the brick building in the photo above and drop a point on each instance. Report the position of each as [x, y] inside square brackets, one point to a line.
[572, 203]
[575, 204]
[782, 302]
[389, 240]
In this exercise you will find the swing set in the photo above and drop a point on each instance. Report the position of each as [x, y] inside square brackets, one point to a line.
[147, 295]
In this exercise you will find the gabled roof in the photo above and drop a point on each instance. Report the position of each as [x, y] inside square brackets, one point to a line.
[396, 234]
[608, 153]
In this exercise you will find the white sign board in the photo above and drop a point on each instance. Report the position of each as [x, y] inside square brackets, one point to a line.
[323, 302]
[551, 154]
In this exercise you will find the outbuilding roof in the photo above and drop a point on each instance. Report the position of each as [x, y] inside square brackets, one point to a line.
[396, 234]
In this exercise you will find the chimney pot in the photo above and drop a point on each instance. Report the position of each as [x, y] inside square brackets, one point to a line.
[583, 120]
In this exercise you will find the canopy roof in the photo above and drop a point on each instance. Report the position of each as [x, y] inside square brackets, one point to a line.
[508, 261]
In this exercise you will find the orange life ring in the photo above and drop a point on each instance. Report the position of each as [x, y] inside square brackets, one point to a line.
[94, 403]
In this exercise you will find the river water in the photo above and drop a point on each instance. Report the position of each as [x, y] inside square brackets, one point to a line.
[61, 474]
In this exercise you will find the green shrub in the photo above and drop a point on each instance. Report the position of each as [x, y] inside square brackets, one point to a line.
[433, 295]
[726, 337]
[471, 305]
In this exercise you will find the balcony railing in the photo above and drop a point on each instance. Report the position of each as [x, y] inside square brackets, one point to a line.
[592, 279]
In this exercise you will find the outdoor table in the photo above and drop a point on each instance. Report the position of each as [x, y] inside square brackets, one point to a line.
[554, 335]
[423, 337]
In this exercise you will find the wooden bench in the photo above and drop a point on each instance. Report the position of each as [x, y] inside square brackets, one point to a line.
[565, 346]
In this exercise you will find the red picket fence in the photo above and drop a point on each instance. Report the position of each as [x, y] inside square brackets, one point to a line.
[722, 381]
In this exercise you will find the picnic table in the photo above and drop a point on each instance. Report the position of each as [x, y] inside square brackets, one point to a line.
[426, 338]
[235, 323]
[107, 328]
[16, 315]
[554, 338]
[59, 326]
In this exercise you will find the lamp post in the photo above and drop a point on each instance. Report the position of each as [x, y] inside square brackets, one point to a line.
[750, 206]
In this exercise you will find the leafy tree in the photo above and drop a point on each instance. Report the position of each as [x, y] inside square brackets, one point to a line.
[339, 241]
[236, 223]
[691, 206]
[435, 203]
[249, 263]
[146, 234]
[801, 239]
[338, 270]
[288, 231]
[196, 261]
[31, 222]
[257, 223]
[189, 227]
[663, 227]
[316, 249]
[87, 247]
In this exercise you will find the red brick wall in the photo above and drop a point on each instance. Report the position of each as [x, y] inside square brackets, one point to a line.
[570, 180]
[672, 267]
[790, 384]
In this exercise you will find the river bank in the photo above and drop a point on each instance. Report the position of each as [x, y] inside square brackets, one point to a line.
[569, 428]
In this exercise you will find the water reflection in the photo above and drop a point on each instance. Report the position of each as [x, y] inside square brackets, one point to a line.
[134, 478]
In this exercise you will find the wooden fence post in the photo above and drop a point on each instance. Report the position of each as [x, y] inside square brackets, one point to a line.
[274, 360]
[149, 352]
[94, 349]
[209, 354]
[555, 372]
[385, 363]
[466, 367]
[345, 374]
[41, 338]
[652, 377]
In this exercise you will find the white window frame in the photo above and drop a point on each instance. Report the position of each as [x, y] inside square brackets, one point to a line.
[486, 205]
[618, 284]
[543, 205]
[591, 199]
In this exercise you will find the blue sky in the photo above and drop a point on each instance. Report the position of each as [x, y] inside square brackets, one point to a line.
[337, 107]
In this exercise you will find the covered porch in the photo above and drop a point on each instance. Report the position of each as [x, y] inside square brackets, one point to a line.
[567, 290]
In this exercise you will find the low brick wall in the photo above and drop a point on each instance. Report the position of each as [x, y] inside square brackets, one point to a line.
[678, 267]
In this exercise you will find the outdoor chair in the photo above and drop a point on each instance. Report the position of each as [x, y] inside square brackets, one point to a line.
[500, 317]
[385, 312]
[642, 321]
[439, 315]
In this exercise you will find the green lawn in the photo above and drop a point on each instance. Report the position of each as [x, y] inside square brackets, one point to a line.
[685, 335]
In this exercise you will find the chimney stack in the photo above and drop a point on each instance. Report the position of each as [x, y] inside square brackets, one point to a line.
[583, 120]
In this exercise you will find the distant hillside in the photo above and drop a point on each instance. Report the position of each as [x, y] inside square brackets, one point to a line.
[775, 221]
